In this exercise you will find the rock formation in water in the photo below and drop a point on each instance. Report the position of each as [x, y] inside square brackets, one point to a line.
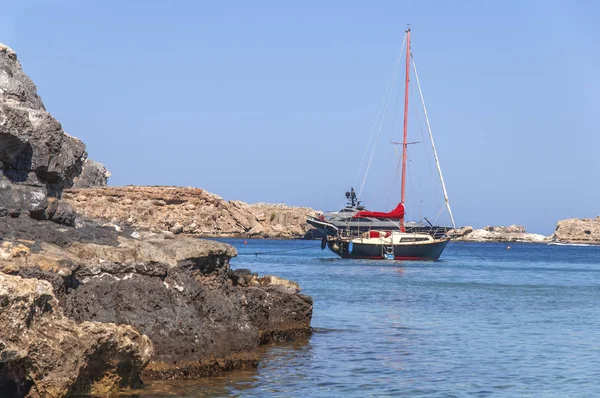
[512, 233]
[178, 304]
[578, 230]
[45, 354]
[37, 158]
[200, 315]
[189, 211]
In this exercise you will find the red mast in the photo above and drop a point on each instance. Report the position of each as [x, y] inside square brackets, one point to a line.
[404, 143]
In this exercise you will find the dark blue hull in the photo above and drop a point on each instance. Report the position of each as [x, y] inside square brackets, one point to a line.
[414, 251]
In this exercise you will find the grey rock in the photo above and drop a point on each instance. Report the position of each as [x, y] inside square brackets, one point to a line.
[49, 232]
[37, 158]
[14, 84]
[94, 174]
[60, 212]
[176, 229]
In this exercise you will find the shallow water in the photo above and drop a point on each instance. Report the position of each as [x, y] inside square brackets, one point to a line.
[483, 321]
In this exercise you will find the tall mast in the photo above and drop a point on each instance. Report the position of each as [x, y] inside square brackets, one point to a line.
[404, 144]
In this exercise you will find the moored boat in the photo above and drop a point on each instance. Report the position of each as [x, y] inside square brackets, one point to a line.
[390, 245]
[386, 235]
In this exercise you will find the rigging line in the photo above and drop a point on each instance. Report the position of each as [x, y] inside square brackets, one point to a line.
[437, 161]
[395, 75]
[438, 215]
[412, 91]
[379, 112]
[472, 252]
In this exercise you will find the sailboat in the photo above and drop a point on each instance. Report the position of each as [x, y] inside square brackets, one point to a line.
[399, 243]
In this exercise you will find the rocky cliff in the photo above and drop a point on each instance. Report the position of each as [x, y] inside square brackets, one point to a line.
[37, 158]
[87, 308]
[512, 233]
[189, 211]
[578, 230]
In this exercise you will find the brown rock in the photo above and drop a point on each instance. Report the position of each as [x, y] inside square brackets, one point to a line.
[578, 230]
[188, 210]
[44, 354]
[201, 316]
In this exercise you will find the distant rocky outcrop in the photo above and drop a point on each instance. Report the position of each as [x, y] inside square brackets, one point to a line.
[512, 233]
[37, 158]
[578, 230]
[189, 211]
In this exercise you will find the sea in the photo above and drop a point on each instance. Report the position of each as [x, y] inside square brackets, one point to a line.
[486, 320]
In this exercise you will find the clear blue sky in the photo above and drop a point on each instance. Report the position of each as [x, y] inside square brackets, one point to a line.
[275, 101]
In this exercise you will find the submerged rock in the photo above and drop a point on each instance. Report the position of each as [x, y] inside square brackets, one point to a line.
[44, 354]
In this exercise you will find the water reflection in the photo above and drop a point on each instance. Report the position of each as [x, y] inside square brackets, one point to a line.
[277, 360]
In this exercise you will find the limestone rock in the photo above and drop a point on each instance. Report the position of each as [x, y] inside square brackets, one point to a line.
[44, 354]
[578, 230]
[512, 233]
[188, 210]
[460, 232]
[511, 229]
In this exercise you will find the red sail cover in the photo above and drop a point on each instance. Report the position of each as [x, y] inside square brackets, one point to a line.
[398, 212]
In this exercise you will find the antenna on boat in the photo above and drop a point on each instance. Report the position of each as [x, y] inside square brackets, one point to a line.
[404, 142]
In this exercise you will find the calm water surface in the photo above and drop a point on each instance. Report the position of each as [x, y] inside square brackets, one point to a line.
[483, 321]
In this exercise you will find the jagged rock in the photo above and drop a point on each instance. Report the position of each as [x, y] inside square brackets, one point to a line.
[44, 354]
[25, 228]
[511, 229]
[15, 85]
[279, 283]
[94, 174]
[578, 230]
[460, 232]
[60, 212]
[201, 316]
[512, 233]
[176, 229]
[37, 158]
[196, 211]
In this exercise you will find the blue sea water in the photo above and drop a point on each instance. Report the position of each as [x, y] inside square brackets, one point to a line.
[485, 320]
